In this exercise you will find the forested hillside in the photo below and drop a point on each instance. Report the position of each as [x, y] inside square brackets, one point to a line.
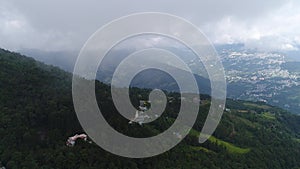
[37, 116]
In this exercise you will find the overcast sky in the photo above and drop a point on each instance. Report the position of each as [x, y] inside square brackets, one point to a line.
[55, 25]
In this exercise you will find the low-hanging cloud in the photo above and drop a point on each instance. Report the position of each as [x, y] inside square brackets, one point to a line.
[277, 30]
[65, 25]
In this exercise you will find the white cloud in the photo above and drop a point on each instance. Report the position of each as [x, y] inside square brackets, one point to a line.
[288, 47]
[277, 30]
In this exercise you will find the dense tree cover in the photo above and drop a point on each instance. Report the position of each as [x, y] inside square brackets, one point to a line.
[37, 116]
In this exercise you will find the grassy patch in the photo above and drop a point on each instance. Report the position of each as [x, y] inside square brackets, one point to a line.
[229, 147]
[199, 148]
[268, 115]
[242, 111]
[297, 140]
[257, 106]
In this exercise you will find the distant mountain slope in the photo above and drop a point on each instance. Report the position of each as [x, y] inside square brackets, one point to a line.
[36, 117]
[66, 61]
[63, 59]
[266, 76]
[251, 74]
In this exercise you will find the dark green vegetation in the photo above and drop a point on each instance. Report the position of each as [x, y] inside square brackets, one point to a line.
[37, 116]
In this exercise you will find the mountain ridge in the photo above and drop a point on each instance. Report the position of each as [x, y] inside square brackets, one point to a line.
[37, 115]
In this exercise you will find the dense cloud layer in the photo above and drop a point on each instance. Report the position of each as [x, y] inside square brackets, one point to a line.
[66, 25]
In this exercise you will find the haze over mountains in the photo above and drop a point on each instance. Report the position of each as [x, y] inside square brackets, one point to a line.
[271, 77]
